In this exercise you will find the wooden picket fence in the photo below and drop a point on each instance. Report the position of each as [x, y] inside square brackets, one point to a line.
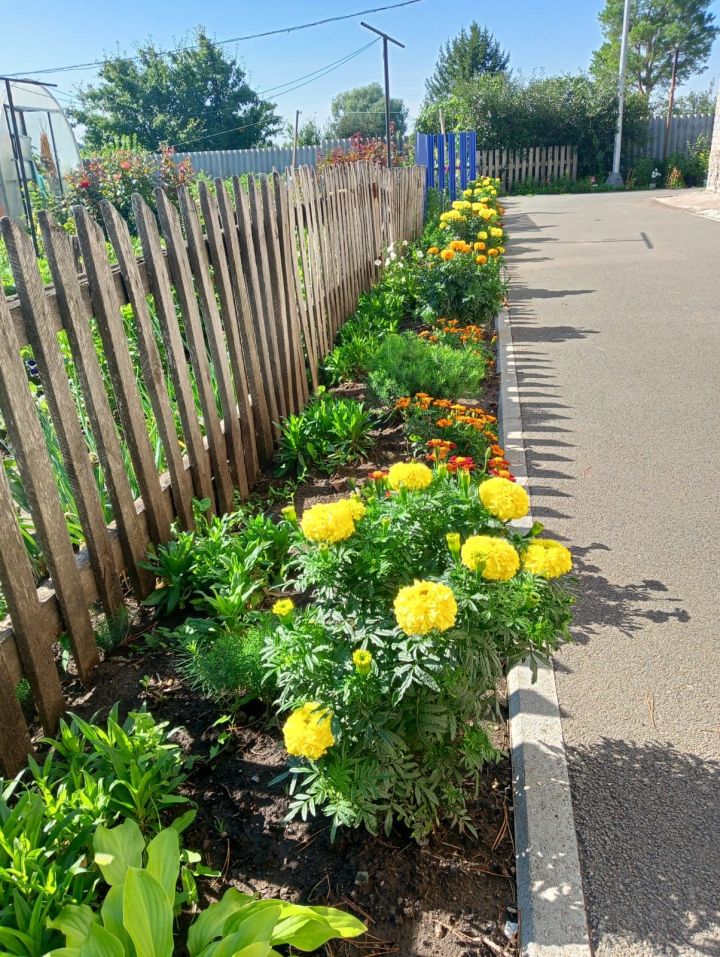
[537, 163]
[249, 287]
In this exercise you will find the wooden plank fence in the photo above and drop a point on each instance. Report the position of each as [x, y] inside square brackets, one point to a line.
[452, 160]
[228, 324]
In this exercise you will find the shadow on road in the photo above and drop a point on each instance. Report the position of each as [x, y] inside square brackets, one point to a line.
[626, 606]
[648, 819]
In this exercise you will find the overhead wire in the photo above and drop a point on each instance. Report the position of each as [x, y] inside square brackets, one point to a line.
[318, 74]
[251, 36]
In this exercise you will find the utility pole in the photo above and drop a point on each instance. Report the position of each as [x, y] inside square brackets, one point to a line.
[385, 38]
[671, 103]
[294, 155]
[615, 179]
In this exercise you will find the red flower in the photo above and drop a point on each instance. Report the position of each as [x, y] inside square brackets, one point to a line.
[124, 165]
[84, 184]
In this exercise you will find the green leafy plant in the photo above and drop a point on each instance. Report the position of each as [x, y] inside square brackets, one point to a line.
[406, 364]
[328, 433]
[222, 566]
[136, 917]
[403, 710]
[93, 774]
[224, 663]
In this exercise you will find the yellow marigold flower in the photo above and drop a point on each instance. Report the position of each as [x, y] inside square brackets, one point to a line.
[355, 506]
[424, 607]
[457, 204]
[547, 558]
[283, 607]
[447, 255]
[478, 247]
[457, 245]
[410, 475]
[307, 731]
[362, 660]
[487, 214]
[482, 234]
[289, 513]
[501, 250]
[496, 557]
[467, 193]
[504, 499]
[496, 231]
[328, 523]
[476, 207]
[433, 251]
[453, 542]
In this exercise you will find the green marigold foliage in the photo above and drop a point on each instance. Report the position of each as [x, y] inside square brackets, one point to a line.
[411, 732]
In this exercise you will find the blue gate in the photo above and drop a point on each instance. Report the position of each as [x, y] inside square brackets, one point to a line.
[450, 161]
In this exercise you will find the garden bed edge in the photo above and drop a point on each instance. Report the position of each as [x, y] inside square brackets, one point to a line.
[551, 903]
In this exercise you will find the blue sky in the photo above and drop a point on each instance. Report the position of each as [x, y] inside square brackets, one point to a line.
[541, 35]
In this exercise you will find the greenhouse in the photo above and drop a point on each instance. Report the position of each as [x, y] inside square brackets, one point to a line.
[37, 146]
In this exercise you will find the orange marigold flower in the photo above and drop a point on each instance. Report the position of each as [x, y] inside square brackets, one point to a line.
[481, 259]
[457, 245]
[443, 423]
[377, 474]
[447, 255]
[433, 251]
[402, 403]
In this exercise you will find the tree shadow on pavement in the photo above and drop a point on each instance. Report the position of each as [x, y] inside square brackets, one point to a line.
[648, 820]
[625, 606]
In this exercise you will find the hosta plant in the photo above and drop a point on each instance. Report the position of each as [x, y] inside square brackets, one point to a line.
[137, 915]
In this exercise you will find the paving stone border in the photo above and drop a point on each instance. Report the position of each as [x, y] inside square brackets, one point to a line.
[551, 903]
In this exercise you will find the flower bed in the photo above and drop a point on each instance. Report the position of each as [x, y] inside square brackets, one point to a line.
[336, 649]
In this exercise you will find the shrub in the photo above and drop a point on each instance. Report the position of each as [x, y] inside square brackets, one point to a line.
[392, 674]
[114, 173]
[223, 664]
[641, 174]
[328, 433]
[379, 311]
[406, 364]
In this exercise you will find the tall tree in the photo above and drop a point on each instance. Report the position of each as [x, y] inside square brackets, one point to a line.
[697, 102]
[362, 110]
[657, 28]
[197, 96]
[470, 53]
[309, 133]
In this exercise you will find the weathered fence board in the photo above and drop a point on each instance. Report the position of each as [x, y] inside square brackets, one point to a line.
[211, 357]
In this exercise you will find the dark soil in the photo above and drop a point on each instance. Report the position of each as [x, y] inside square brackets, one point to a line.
[446, 898]
[450, 897]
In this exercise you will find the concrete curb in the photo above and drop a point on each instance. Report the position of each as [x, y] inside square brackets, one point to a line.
[551, 903]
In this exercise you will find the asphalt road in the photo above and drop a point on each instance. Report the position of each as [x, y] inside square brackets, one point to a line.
[615, 311]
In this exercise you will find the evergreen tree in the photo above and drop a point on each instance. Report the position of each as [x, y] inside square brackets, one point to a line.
[657, 28]
[470, 53]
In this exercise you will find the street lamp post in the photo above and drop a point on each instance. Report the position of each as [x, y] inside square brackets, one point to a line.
[615, 179]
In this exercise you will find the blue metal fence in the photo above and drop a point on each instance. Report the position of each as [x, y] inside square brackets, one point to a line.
[451, 171]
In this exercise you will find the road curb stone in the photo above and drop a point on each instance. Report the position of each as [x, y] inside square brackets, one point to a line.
[551, 903]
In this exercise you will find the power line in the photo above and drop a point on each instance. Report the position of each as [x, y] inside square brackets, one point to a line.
[321, 71]
[251, 36]
[318, 74]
